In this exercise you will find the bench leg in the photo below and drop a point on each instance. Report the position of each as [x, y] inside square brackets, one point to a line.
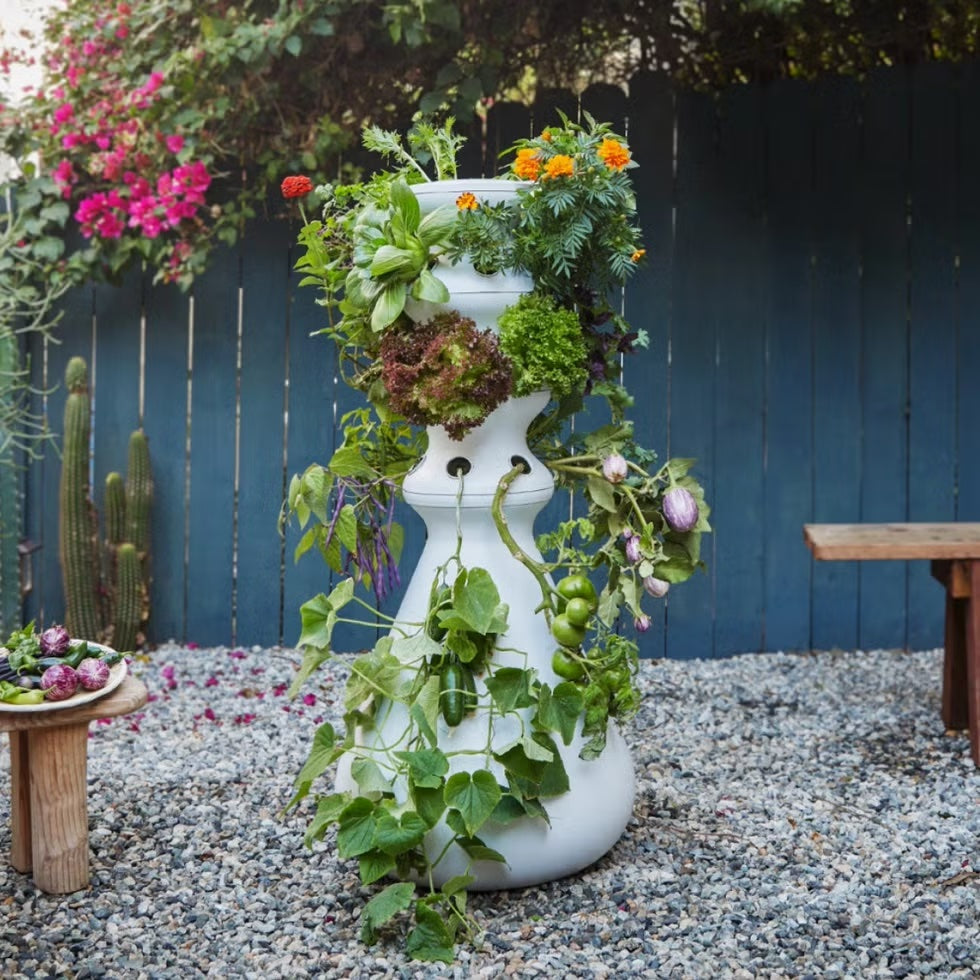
[59, 808]
[21, 856]
[972, 685]
[956, 715]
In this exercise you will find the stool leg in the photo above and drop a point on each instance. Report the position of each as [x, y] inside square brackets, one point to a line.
[20, 801]
[973, 660]
[59, 808]
[955, 712]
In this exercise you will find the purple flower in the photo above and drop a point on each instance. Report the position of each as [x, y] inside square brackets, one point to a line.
[642, 623]
[614, 468]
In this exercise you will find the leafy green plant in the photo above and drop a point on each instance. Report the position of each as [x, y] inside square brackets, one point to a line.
[544, 343]
[444, 372]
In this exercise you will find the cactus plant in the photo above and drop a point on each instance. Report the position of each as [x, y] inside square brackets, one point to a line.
[77, 525]
[109, 604]
[10, 516]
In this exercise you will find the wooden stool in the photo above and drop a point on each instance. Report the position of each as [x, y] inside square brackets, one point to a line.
[49, 795]
[953, 550]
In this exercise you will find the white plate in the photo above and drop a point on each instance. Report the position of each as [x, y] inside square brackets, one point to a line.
[117, 673]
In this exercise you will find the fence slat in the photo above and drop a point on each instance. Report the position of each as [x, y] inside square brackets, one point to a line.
[932, 327]
[647, 307]
[836, 351]
[265, 275]
[738, 500]
[212, 453]
[968, 300]
[789, 394]
[690, 609]
[884, 346]
[165, 406]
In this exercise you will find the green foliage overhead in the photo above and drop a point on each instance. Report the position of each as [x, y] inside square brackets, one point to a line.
[210, 105]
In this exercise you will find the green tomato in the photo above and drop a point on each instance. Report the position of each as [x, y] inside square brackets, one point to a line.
[566, 633]
[578, 587]
[578, 611]
[565, 666]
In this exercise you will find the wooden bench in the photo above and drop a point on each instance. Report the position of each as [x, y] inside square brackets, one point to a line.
[953, 550]
[48, 792]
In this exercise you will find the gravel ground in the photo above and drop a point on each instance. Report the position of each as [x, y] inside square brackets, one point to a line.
[796, 816]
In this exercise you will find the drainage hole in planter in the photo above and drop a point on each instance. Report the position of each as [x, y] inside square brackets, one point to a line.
[522, 462]
[458, 466]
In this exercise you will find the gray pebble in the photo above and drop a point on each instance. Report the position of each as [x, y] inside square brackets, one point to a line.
[796, 816]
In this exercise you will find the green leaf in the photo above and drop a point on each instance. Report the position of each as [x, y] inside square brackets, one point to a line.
[384, 907]
[346, 527]
[479, 851]
[430, 803]
[476, 604]
[414, 650]
[392, 260]
[560, 710]
[430, 941]
[348, 461]
[510, 688]
[294, 45]
[436, 227]
[374, 865]
[407, 204]
[357, 821]
[313, 657]
[369, 777]
[601, 492]
[376, 674]
[474, 795]
[508, 809]
[322, 755]
[457, 884]
[427, 287]
[426, 767]
[328, 810]
[398, 836]
[389, 306]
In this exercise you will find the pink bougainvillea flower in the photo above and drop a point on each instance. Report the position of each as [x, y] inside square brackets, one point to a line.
[211, 682]
[309, 699]
[174, 143]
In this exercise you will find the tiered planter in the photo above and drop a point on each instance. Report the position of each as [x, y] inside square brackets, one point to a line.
[587, 820]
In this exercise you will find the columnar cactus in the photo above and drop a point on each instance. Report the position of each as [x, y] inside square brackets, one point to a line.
[77, 527]
[113, 605]
[10, 513]
[128, 608]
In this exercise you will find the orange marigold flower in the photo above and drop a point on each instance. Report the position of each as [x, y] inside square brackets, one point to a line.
[559, 166]
[546, 136]
[613, 154]
[467, 202]
[527, 166]
[638, 254]
[296, 186]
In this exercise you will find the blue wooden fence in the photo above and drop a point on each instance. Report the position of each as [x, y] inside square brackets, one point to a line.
[812, 302]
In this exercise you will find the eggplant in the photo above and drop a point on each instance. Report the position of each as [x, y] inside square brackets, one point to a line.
[59, 682]
[92, 674]
[680, 510]
[54, 641]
